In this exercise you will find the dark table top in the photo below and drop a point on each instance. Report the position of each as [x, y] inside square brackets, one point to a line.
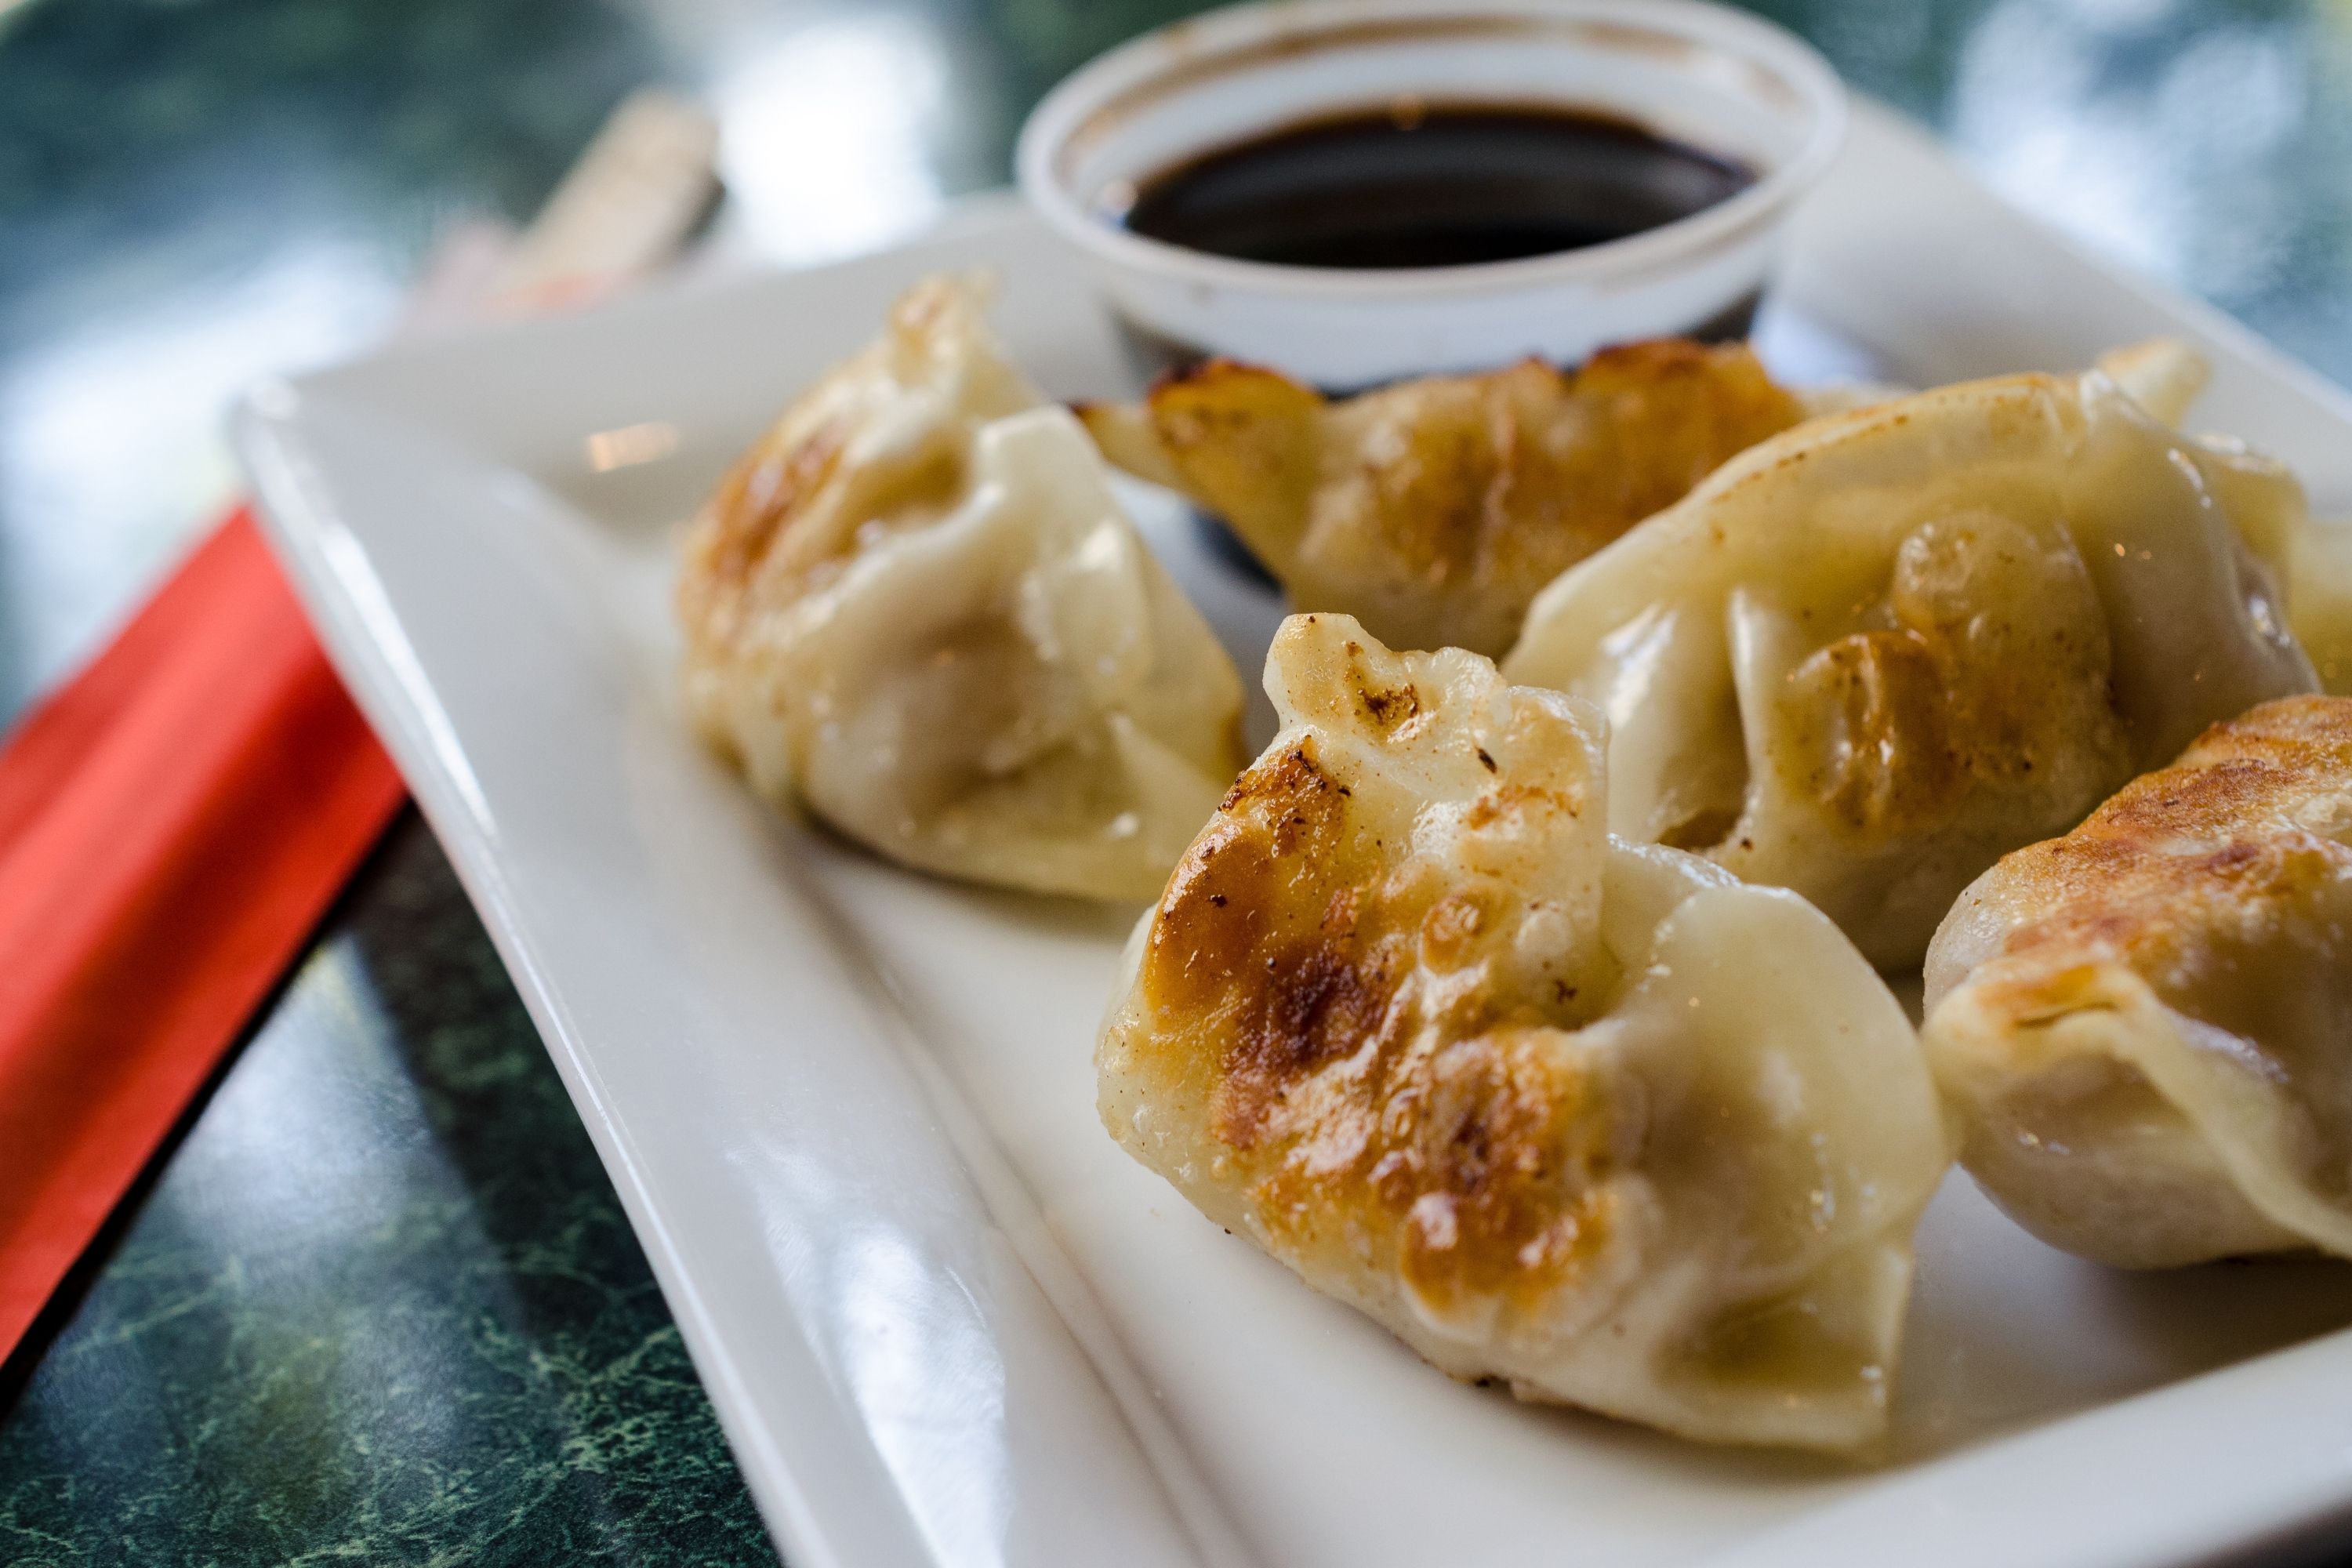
[379, 1303]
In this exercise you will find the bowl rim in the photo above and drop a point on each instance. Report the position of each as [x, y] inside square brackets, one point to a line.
[1164, 59]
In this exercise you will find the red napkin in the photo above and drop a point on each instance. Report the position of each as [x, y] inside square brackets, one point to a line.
[173, 825]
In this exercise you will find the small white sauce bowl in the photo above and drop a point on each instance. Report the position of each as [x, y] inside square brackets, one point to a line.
[1718, 80]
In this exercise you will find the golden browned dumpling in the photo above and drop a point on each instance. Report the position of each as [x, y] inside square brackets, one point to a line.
[915, 605]
[1869, 656]
[1589, 1118]
[1433, 509]
[2147, 1023]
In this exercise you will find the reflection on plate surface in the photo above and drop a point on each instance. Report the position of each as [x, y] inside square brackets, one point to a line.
[843, 1101]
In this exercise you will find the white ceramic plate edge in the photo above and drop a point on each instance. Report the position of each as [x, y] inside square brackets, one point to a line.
[365, 642]
[2188, 1518]
[331, 576]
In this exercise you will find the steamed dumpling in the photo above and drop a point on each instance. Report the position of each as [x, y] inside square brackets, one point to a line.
[1433, 509]
[915, 605]
[1589, 1118]
[1867, 658]
[2147, 1024]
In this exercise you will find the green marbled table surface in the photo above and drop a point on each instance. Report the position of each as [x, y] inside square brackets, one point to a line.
[379, 1303]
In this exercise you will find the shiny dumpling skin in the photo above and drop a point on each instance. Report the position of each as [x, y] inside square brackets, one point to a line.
[1589, 1118]
[2312, 556]
[1866, 658]
[2147, 1024]
[915, 606]
[1432, 511]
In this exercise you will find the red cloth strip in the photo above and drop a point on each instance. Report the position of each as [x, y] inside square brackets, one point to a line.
[173, 825]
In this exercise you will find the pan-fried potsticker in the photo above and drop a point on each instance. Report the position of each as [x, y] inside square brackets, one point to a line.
[1590, 1117]
[1432, 511]
[915, 605]
[2146, 1024]
[1869, 656]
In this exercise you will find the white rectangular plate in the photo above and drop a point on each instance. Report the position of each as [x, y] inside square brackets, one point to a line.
[851, 1110]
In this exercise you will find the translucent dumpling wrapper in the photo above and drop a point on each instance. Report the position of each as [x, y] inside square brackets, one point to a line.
[2164, 376]
[1589, 1118]
[1433, 509]
[915, 605]
[2146, 1024]
[1867, 658]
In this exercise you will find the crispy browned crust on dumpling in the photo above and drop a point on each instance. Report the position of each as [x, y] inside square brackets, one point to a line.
[1285, 935]
[1591, 1118]
[2209, 842]
[1435, 508]
[2147, 1022]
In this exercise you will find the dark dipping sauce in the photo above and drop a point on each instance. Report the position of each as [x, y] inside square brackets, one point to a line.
[1441, 185]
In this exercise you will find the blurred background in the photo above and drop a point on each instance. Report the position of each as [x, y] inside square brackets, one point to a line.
[195, 192]
[380, 1303]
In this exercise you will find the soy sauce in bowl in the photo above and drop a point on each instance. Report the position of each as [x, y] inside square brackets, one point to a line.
[1437, 185]
[1463, 206]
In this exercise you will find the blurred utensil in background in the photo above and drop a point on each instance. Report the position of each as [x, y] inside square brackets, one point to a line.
[175, 819]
